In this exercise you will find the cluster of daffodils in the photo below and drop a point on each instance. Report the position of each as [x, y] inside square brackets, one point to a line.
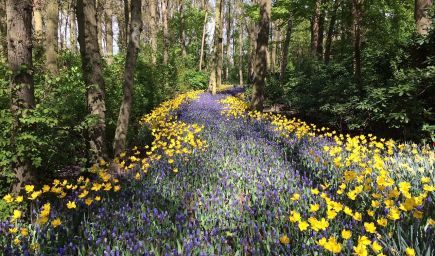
[69, 193]
[172, 138]
[369, 188]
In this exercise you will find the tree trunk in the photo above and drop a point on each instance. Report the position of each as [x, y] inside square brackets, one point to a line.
[93, 76]
[182, 30]
[285, 48]
[253, 48]
[3, 29]
[38, 6]
[321, 29]
[127, 21]
[130, 66]
[120, 17]
[241, 83]
[357, 23]
[261, 55]
[109, 30]
[204, 34]
[227, 46]
[153, 29]
[315, 27]
[72, 27]
[422, 19]
[219, 41]
[273, 50]
[216, 63]
[333, 18]
[19, 37]
[165, 17]
[51, 37]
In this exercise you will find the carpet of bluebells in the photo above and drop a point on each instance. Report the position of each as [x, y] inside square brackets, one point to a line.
[221, 180]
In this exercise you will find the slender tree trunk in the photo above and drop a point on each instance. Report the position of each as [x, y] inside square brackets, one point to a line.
[273, 50]
[422, 19]
[127, 21]
[227, 46]
[204, 35]
[109, 30]
[153, 29]
[93, 76]
[182, 30]
[321, 32]
[73, 27]
[3, 29]
[332, 20]
[100, 21]
[130, 66]
[19, 37]
[120, 17]
[315, 27]
[241, 83]
[285, 48]
[357, 23]
[165, 17]
[261, 56]
[253, 49]
[51, 37]
[219, 41]
[216, 63]
[38, 7]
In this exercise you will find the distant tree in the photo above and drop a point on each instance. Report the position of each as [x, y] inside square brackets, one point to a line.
[108, 15]
[130, 66]
[165, 19]
[357, 19]
[93, 76]
[216, 62]
[261, 55]
[153, 29]
[285, 50]
[204, 33]
[331, 29]
[51, 36]
[3, 29]
[19, 38]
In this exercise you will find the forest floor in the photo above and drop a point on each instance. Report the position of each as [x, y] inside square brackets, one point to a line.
[263, 185]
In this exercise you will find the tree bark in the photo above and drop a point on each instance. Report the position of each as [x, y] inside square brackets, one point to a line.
[130, 66]
[93, 76]
[109, 30]
[19, 37]
[241, 83]
[261, 55]
[228, 40]
[153, 29]
[357, 27]
[422, 20]
[321, 29]
[285, 49]
[73, 27]
[3, 29]
[38, 6]
[216, 63]
[331, 27]
[253, 48]
[219, 41]
[51, 37]
[165, 17]
[273, 50]
[204, 34]
[182, 30]
[315, 27]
